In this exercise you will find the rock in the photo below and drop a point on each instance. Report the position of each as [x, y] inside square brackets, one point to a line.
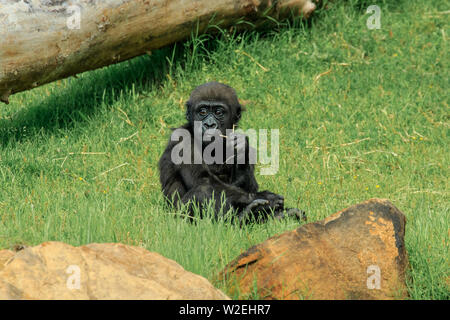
[357, 253]
[105, 271]
[5, 255]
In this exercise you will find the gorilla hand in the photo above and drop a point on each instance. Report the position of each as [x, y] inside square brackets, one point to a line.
[265, 203]
[238, 142]
[276, 202]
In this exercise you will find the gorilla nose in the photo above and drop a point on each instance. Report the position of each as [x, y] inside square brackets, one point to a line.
[211, 125]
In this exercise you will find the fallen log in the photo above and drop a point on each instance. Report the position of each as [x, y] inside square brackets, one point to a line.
[45, 40]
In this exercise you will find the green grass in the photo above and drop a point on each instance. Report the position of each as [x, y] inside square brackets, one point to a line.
[376, 125]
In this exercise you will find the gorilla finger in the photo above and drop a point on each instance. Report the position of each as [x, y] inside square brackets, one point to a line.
[256, 203]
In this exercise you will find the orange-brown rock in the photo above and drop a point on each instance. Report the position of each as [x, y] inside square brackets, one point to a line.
[54, 270]
[357, 253]
[5, 255]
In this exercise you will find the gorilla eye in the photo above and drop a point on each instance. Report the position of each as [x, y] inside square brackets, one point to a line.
[203, 112]
[219, 112]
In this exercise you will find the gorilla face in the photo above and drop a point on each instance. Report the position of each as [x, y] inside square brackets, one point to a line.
[213, 115]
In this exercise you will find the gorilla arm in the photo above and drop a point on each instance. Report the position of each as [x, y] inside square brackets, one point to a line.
[196, 183]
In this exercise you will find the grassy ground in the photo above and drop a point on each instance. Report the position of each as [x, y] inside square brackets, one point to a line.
[78, 158]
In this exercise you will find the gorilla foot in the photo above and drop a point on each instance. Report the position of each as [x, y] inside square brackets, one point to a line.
[252, 207]
[298, 214]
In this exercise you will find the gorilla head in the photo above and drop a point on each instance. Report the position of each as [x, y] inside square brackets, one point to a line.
[215, 105]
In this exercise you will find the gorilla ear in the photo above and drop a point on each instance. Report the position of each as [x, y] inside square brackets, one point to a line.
[239, 110]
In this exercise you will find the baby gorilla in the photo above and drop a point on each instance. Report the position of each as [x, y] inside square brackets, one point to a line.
[198, 168]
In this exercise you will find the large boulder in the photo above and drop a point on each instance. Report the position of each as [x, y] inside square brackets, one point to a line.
[357, 253]
[55, 270]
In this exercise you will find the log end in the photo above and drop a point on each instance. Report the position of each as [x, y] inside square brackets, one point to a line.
[4, 96]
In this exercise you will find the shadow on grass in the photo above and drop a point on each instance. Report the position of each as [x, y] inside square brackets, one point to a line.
[83, 98]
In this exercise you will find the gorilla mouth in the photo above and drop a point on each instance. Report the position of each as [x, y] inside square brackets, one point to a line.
[209, 133]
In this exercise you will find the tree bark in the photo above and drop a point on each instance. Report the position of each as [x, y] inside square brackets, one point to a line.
[45, 40]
